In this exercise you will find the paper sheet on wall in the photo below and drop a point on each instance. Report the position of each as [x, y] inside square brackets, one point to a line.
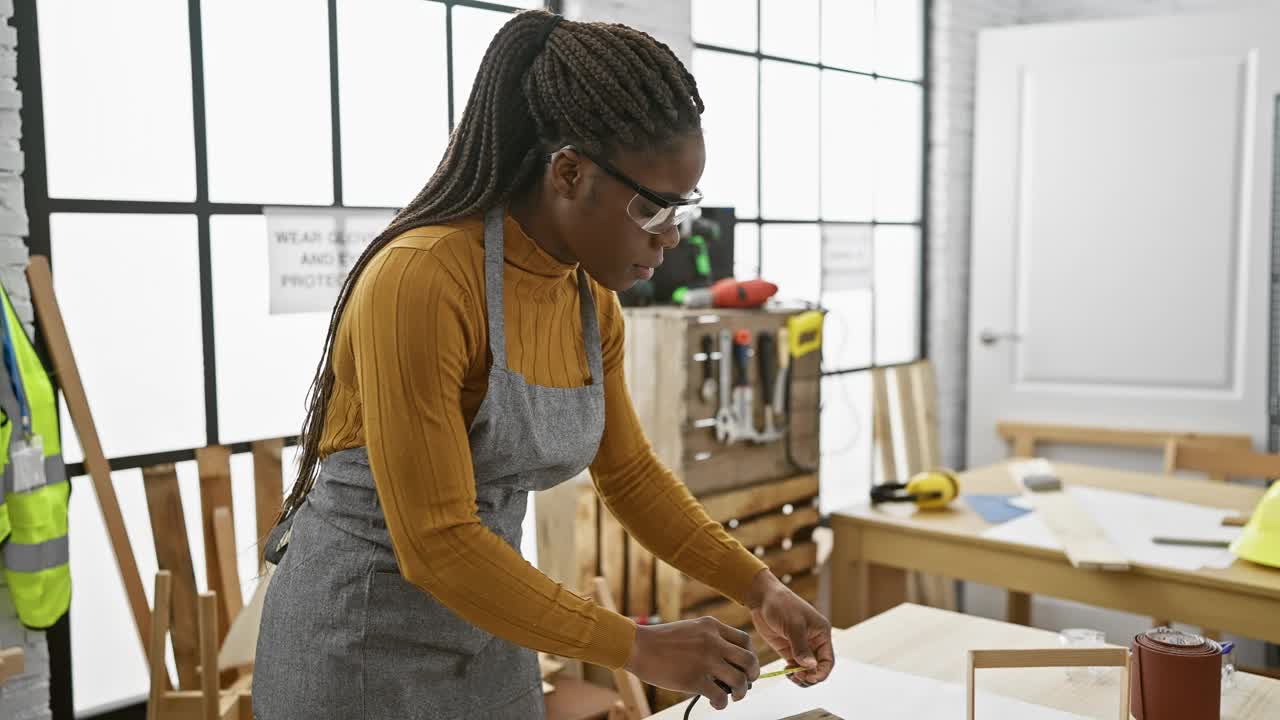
[1130, 521]
[856, 690]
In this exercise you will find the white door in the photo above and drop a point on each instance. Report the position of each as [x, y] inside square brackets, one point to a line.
[1122, 225]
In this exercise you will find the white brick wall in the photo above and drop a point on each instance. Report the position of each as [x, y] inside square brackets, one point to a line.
[25, 697]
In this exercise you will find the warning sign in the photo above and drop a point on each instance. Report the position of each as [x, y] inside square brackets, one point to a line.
[311, 250]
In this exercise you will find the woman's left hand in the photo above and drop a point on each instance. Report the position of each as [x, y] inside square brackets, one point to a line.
[798, 632]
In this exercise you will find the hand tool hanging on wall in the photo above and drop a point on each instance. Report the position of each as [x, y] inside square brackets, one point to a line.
[726, 429]
[743, 400]
[767, 352]
[929, 490]
[708, 390]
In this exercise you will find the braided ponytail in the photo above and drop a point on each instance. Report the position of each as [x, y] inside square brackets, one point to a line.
[543, 83]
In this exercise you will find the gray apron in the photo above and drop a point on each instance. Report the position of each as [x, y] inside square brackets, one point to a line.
[343, 635]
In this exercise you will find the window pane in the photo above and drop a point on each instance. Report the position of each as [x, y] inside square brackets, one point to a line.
[384, 47]
[746, 250]
[899, 144]
[847, 275]
[266, 84]
[472, 31]
[104, 66]
[726, 23]
[265, 362]
[848, 33]
[789, 28]
[791, 259]
[897, 288]
[848, 146]
[728, 86]
[789, 135]
[845, 469]
[141, 353]
[899, 38]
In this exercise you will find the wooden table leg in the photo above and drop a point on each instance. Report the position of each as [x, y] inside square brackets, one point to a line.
[1018, 608]
[846, 584]
[886, 589]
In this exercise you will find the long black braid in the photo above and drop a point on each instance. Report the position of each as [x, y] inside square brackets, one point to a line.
[544, 82]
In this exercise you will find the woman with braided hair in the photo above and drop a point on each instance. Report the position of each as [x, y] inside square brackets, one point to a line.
[474, 355]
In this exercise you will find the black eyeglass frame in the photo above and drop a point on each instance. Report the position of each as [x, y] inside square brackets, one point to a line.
[639, 189]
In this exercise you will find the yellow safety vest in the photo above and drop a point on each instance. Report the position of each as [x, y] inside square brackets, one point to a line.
[33, 518]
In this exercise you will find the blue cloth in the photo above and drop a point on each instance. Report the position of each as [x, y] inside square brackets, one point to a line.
[995, 509]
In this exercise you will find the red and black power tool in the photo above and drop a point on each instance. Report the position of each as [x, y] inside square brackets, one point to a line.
[727, 293]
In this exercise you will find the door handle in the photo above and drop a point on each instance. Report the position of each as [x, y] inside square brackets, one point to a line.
[991, 337]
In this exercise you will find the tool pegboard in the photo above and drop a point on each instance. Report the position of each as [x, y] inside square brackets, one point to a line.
[677, 374]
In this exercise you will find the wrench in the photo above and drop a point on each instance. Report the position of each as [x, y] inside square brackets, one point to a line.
[725, 426]
[768, 378]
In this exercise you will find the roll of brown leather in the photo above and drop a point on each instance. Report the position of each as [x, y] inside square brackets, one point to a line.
[1175, 676]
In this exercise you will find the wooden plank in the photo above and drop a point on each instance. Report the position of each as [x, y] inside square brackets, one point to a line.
[1017, 608]
[1223, 463]
[769, 530]
[669, 590]
[566, 527]
[173, 555]
[159, 629]
[907, 415]
[629, 686]
[67, 376]
[613, 551]
[926, 411]
[268, 487]
[802, 557]
[208, 621]
[748, 502]
[639, 579]
[1084, 543]
[229, 578]
[1117, 437]
[882, 432]
[214, 464]
[13, 662]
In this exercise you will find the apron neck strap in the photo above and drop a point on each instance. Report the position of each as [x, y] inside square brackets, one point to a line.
[494, 220]
[590, 328]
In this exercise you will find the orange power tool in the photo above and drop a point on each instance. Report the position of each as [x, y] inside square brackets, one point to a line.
[727, 293]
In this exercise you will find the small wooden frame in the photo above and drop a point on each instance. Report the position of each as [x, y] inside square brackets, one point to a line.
[1051, 657]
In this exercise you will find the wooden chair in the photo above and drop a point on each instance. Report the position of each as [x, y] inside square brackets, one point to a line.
[1025, 438]
[210, 701]
[1064, 657]
[12, 663]
[225, 598]
[917, 419]
[1220, 463]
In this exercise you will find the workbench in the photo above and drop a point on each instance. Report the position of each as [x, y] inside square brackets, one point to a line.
[874, 545]
[933, 643]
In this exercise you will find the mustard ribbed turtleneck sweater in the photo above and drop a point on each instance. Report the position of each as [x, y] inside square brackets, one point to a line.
[411, 362]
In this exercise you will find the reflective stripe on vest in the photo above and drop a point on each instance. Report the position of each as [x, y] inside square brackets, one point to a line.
[34, 558]
[35, 555]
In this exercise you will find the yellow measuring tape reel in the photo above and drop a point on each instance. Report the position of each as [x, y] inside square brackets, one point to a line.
[929, 490]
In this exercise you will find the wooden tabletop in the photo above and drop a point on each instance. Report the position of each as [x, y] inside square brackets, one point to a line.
[933, 643]
[962, 524]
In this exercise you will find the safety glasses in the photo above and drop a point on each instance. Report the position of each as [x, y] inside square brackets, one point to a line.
[650, 210]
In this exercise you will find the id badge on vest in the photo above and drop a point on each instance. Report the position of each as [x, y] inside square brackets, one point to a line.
[28, 463]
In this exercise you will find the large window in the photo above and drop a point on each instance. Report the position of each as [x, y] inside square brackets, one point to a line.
[815, 135]
[155, 133]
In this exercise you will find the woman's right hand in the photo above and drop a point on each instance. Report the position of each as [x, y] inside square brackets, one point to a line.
[691, 655]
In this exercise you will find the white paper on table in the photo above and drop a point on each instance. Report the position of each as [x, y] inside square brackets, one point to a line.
[856, 690]
[1130, 521]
